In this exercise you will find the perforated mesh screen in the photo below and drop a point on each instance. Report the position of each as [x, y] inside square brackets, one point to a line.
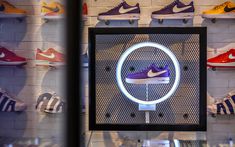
[112, 107]
[192, 143]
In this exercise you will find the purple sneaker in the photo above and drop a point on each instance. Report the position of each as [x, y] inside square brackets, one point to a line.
[150, 75]
[122, 12]
[175, 10]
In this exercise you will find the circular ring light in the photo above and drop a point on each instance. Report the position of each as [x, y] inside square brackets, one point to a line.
[138, 46]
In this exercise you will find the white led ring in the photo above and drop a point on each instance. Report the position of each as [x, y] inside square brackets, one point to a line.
[138, 46]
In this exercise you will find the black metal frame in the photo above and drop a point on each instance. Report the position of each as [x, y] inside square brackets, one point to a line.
[202, 31]
[73, 124]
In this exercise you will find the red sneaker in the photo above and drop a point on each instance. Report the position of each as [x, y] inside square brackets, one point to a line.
[9, 58]
[226, 60]
[49, 57]
[84, 11]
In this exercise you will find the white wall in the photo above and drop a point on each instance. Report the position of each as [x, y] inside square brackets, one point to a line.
[221, 37]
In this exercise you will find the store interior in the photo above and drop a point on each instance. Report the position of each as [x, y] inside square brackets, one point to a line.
[32, 79]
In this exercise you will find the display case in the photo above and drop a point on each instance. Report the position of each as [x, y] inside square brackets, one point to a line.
[147, 79]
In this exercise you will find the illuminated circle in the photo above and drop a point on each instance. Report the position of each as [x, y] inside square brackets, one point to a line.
[138, 46]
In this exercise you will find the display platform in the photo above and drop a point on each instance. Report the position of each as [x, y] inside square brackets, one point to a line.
[147, 79]
[218, 16]
[57, 17]
[185, 18]
[12, 15]
[215, 17]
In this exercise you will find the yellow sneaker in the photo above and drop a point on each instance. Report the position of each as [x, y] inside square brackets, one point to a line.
[224, 8]
[7, 8]
[52, 9]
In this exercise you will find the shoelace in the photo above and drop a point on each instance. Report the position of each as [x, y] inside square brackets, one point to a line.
[116, 6]
[5, 93]
[227, 97]
[8, 52]
[220, 6]
[223, 56]
[173, 3]
[146, 68]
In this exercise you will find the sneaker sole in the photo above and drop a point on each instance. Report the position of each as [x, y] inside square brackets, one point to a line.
[5, 15]
[53, 17]
[225, 65]
[173, 16]
[223, 16]
[157, 80]
[47, 63]
[12, 63]
[120, 17]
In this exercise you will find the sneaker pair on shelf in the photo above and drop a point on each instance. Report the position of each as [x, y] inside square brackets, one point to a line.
[50, 102]
[47, 102]
[125, 11]
[49, 57]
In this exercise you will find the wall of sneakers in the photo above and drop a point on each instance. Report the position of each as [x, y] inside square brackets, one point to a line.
[219, 17]
[31, 69]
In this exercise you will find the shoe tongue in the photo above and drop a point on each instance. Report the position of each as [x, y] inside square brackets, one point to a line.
[125, 4]
[2, 48]
[175, 2]
[154, 67]
[225, 3]
[50, 50]
[232, 50]
[5, 50]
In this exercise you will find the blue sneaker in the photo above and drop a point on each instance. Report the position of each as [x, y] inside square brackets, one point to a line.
[150, 75]
[176, 9]
[122, 12]
[49, 102]
[224, 106]
[9, 104]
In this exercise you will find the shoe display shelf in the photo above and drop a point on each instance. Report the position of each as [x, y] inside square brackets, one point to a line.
[220, 68]
[19, 17]
[161, 19]
[222, 116]
[130, 20]
[52, 18]
[214, 18]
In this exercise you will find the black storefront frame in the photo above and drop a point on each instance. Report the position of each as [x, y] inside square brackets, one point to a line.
[202, 31]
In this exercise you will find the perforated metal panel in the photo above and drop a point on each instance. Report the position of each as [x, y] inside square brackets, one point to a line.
[114, 108]
[192, 143]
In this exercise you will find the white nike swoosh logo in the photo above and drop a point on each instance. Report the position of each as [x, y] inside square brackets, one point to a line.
[2, 55]
[152, 74]
[231, 56]
[176, 9]
[122, 10]
[51, 56]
